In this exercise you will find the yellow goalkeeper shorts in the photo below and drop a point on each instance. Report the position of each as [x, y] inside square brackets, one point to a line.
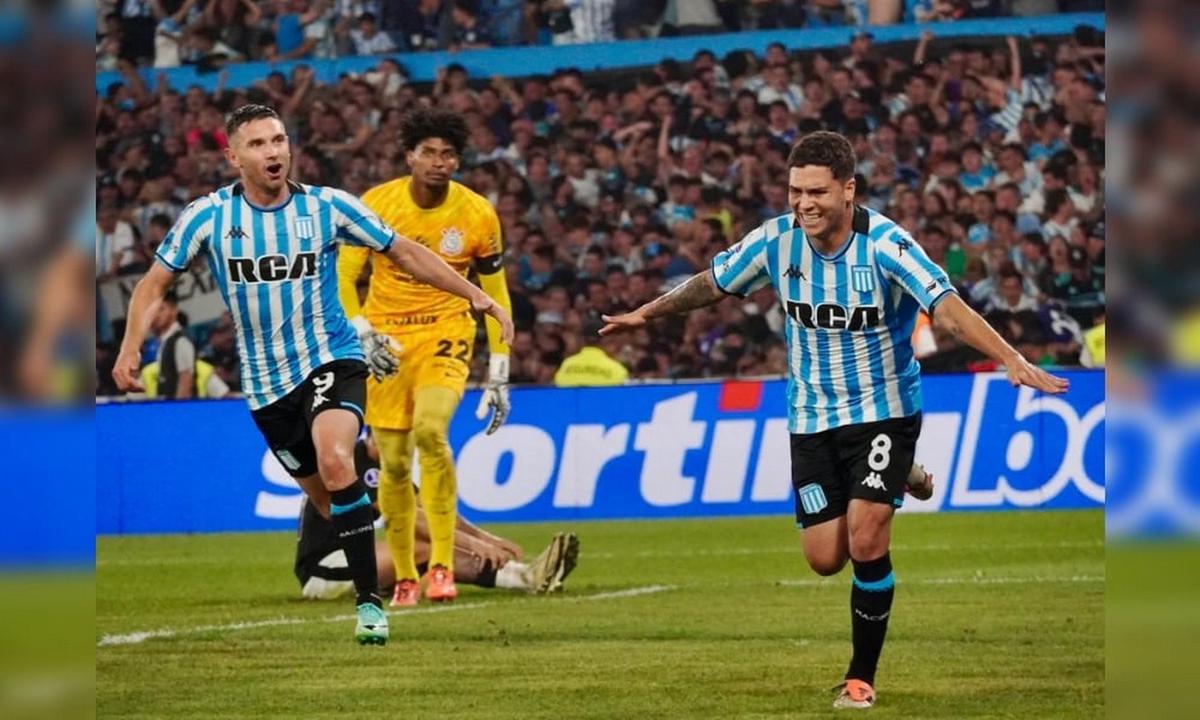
[431, 354]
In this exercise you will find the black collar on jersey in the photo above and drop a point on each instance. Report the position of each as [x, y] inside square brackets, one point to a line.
[294, 186]
[860, 224]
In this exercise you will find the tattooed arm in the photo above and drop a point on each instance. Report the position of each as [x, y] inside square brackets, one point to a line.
[700, 290]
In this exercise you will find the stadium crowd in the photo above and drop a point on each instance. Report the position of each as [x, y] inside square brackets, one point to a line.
[611, 188]
[208, 33]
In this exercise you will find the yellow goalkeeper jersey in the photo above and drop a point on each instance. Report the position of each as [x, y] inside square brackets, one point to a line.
[462, 229]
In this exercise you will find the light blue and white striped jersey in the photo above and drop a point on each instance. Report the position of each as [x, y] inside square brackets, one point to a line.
[277, 270]
[850, 316]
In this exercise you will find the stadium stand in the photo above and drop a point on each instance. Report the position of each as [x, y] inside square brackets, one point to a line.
[617, 182]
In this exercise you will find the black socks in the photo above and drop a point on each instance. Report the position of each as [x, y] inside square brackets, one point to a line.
[354, 522]
[870, 606]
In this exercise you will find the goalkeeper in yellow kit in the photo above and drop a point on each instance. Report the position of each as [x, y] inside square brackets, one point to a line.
[418, 341]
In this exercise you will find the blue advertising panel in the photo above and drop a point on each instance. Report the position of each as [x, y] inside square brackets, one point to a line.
[48, 474]
[679, 450]
[1152, 455]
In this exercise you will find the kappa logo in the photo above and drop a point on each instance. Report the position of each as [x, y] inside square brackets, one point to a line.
[903, 244]
[236, 233]
[322, 383]
[874, 481]
[934, 284]
[794, 271]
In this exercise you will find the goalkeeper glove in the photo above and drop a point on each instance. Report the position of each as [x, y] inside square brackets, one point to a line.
[495, 393]
[382, 352]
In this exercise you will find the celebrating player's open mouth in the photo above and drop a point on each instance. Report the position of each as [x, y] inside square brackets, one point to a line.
[809, 221]
[274, 171]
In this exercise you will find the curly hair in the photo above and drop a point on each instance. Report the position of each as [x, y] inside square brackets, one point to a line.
[825, 149]
[422, 124]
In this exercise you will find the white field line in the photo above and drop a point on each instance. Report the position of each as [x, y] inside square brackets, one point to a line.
[902, 547]
[720, 552]
[978, 580]
[134, 638]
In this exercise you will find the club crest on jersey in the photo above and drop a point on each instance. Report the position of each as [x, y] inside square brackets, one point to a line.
[812, 498]
[452, 241]
[862, 278]
[304, 227]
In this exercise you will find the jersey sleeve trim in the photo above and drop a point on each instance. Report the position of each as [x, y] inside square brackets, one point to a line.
[716, 281]
[167, 264]
[939, 297]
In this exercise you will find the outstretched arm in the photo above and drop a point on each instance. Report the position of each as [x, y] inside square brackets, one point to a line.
[700, 290]
[954, 315]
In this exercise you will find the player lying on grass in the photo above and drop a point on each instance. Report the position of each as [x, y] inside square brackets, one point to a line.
[483, 559]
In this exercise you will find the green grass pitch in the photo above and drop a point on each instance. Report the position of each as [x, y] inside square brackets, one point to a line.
[997, 615]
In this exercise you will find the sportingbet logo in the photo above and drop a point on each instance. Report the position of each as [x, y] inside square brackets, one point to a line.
[271, 268]
[663, 451]
[585, 470]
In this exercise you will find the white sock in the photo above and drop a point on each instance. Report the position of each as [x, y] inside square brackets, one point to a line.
[513, 576]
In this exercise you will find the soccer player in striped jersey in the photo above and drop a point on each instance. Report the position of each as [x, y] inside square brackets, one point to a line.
[271, 244]
[851, 283]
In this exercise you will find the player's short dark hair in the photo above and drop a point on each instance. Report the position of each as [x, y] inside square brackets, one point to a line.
[245, 114]
[424, 123]
[825, 149]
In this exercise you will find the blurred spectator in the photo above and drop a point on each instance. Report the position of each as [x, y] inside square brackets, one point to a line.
[235, 21]
[116, 243]
[426, 24]
[221, 352]
[302, 30]
[1010, 296]
[466, 30]
[691, 17]
[173, 17]
[573, 22]
[138, 22]
[592, 365]
[175, 358]
[1080, 289]
[367, 38]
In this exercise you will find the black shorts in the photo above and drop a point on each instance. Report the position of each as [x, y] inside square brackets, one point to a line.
[286, 424]
[869, 461]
